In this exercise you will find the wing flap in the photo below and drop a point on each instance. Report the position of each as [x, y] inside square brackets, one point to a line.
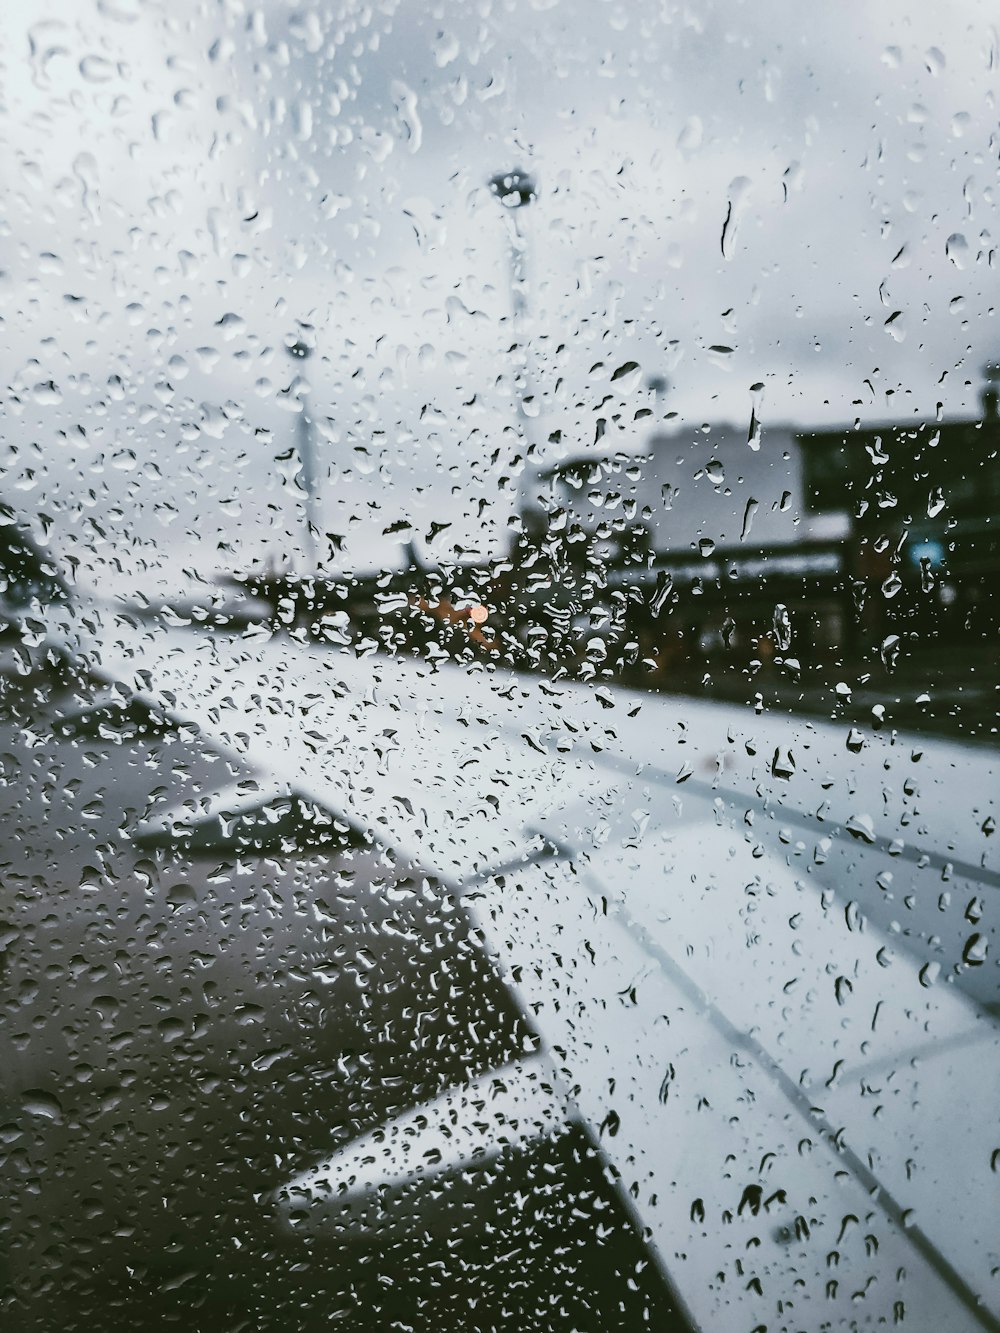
[465, 1128]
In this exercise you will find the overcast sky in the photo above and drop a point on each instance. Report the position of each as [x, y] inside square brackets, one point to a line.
[812, 187]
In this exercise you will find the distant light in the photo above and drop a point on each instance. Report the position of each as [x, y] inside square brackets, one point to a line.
[514, 189]
[930, 550]
[479, 615]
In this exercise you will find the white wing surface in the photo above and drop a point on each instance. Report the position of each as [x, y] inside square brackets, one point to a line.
[763, 964]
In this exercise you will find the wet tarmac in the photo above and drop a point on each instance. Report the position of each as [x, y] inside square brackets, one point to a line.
[184, 1028]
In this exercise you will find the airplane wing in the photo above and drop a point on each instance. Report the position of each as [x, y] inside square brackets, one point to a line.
[760, 951]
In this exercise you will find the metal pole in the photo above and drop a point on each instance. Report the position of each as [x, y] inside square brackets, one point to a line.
[516, 189]
[300, 351]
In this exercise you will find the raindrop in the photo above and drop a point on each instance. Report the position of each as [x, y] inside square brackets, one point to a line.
[715, 472]
[848, 1221]
[756, 401]
[956, 247]
[739, 189]
[896, 327]
[96, 69]
[47, 394]
[180, 896]
[889, 651]
[749, 512]
[975, 951]
[406, 109]
[891, 585]
[934, 60]
[663, 589]
[690, 138]
[782, 624]
[123, 11]
[863, 827]
[446, 48]
[929, 974]
[43, 1104]
[960, 122]
[628, 371]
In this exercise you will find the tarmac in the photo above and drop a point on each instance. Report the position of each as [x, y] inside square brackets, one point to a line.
[183, 1030]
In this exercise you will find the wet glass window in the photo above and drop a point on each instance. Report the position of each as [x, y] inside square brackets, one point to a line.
[498, 666]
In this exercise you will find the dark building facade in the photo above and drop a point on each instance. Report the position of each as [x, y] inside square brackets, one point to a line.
[923, 500]
[648, 568]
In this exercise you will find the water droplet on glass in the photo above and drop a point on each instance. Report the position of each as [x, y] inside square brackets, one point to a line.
[663, 589]
[45, 1105]
[976, 948]
[782, 626]
[756, 401]
[889, 651]
[749, 513]
[863, 827]
[97, 69]
[891, 585]
[929, 974]
[715, 472]
[956, 247]
[739, 189]
[934, 60]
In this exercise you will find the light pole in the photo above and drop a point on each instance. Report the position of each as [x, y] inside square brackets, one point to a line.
[516, 190]
[300, 350]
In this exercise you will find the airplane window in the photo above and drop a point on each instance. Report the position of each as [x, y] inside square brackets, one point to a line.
[498, 640]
